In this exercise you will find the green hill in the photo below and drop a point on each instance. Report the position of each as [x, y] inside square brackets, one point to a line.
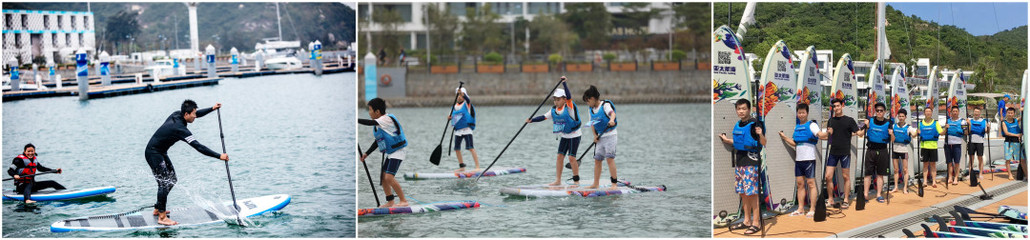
[224, 24]
[850, 28]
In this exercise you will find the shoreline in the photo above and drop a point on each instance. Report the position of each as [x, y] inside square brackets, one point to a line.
[533, 99]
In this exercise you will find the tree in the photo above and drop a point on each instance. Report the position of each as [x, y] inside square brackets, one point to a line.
[480, 32]
[389, 38]
[550, 35]
[121, 25]
[591, 21]
[443, 28]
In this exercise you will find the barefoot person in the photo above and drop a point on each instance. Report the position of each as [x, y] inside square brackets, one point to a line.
[23, 167]
[603, 122]
[804, 140]
[566, 124]
[172, 131]
[903, 134]
[748, 139]
[390, 141]
[463, 119]
[978, 129]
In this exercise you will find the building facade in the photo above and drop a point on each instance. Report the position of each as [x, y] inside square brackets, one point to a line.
[54, 35]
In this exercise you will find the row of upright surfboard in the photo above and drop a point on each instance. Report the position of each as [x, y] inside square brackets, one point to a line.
[781, 87]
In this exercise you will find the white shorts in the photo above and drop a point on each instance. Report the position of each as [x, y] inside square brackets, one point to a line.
[605, 148]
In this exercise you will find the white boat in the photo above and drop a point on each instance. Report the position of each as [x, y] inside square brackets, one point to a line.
[161, 68]
[283, 63]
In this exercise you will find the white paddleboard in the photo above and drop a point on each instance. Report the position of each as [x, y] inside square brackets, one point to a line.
[186, 216]
[731, 81]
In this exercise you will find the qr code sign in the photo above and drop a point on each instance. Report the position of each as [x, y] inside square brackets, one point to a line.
[724, 58]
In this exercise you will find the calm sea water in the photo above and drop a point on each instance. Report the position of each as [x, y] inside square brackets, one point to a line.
[658, 144]
[285, 134]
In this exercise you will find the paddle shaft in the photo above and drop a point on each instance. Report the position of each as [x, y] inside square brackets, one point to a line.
[520, 129]
[30, 175]
[369, 175]
[444, 134]
[228, 176]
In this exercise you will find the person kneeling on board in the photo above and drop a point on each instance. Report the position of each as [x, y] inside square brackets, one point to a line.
[903, 134]
[879, 133]
[464, 121]
[748, 139]
[23, 167]
[390, 140]
[1013, 133]
[929, 132]
[804, 140]
[566, 125]
[603, 122]
[172, 131]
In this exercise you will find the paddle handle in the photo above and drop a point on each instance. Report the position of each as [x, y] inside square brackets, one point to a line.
[369, 175]
[31, 175]
[520, 128]
[228, 176]
[444, 134]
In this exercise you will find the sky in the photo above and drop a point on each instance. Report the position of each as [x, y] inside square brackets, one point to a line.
[976, 18]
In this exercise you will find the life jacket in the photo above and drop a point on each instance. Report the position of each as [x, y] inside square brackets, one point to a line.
[803, 133]
[29, 168]
[878, 133]
[928, 132]
[901, 134]
[564, 122]
[955, 128]
[978, 127]
[462, 118]
[390, 143]
[599, 120]
[742, 139]
[1013, 127]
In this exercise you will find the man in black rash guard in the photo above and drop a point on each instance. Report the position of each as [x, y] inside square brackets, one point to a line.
[841, 128]
[171, 131]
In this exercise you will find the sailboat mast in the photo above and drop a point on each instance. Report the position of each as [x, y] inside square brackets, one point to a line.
[279, 21]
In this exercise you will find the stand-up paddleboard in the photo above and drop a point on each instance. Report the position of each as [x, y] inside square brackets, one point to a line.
[1011, 227]
[776, 101]
[421, 208]
[58, 195]
[844, 87]
[985, 232]
[731, 81]
[186, 216]
[1026, 117]
[957, 97]
[810, 92]
[545, 190]
[495, 171]
[1015, 212]
[900, 99]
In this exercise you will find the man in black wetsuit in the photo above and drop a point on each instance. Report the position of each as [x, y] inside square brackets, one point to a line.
[171, 131]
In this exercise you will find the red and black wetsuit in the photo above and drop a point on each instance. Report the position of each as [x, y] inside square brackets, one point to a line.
[25, 166]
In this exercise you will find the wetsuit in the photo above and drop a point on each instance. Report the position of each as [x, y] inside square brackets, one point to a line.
[23, 166]
[171, 131]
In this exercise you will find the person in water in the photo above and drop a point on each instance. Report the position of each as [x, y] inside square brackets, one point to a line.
[170, 132]
[748, 139]
[566, 125]
[603, 122]
[805, 139]
[23, 168]
[463, 119]
[390, 140]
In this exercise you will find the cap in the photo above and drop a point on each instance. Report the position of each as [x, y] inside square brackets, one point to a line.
[559, 93]
[462, 90]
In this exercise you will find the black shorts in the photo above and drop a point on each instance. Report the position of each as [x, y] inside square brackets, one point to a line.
[898, 155]
[877, 162]
[975, 148]
[928, 155]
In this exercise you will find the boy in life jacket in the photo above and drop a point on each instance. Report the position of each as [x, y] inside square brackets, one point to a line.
[879, 135]
[464, 121]
[805, 139]
[903, 134]
[603, 123]
[1013, 134]
[748, 139]
[929, 132]
[390, 141]
[953, 146]
[978, 129]
[23, 167]
[566, 125]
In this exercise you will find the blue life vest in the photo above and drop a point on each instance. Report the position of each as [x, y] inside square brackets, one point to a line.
[461, 118]
[978, 127]
[742, 139]
[803, 133]
[564, 122]
[599, 120]
[1013, 127]
[878, 133]
[901, 134]
[388, 143]
[955, 128]
[928, 132]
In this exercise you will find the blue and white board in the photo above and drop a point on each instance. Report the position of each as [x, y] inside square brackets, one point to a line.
[186, 216]
[58, 195]
[731, 81]
[421, 208]
[844, 87]
[496, 171]
[545, 190]
[777, 100]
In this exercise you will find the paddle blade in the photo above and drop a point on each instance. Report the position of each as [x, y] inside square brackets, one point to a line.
[860, 201]
[820, 207]
[435, 157]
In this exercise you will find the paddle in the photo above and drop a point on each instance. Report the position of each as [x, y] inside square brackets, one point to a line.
[32, 175]
[919, 157]
[369, 175]
[435, 157]
[580, 160]
[860, 200]
[520, 129]
[820, 202]
[221, 134]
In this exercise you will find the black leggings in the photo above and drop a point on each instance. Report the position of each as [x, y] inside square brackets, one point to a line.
[36, 186]
[164, 173]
